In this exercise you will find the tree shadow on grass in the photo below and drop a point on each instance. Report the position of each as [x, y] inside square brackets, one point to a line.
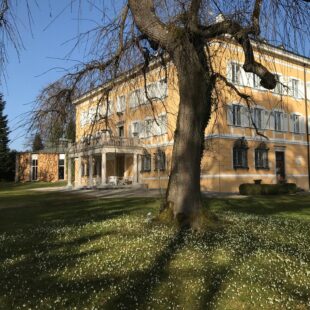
[264, 205]
[137, 293]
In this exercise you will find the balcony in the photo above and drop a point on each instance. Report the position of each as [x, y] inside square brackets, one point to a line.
[103, 141]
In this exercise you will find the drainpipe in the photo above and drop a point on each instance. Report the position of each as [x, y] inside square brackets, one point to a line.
[307, 123]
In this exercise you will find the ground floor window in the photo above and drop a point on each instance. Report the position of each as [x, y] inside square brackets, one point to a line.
[146, 163]
[240, 154]
[160, 160]
[34, 169]
[61, 167]
[261, 157]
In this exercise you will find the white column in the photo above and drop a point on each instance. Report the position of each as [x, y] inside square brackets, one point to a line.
[135, 169]
[103, 168]
[79, 178]
[90, 165]
[69, 173]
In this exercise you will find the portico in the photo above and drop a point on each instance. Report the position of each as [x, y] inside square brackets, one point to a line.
[99, 164]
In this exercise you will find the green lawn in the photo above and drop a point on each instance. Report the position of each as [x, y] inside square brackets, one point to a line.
[65, 251]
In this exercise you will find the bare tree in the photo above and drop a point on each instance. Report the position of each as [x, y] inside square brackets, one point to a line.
[180, 31]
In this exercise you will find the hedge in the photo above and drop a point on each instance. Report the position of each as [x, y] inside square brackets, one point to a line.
[267, 189]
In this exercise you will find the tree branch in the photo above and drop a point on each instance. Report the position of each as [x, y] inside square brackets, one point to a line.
[143, 12]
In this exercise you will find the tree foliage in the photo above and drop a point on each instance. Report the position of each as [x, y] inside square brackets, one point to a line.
[4, 142]
[37, 144]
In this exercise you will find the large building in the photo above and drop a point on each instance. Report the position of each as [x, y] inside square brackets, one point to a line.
[126, 137]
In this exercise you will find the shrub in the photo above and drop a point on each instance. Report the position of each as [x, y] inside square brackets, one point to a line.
[267, 189]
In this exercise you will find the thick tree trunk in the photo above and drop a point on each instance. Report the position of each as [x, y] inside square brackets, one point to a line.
[195, 88]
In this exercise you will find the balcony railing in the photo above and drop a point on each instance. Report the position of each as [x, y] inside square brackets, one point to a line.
[103, 141]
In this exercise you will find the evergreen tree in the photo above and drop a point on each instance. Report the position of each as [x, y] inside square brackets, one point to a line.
[37, 143]
[4, 142]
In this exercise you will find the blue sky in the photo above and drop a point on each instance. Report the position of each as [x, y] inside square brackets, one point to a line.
[54, 23]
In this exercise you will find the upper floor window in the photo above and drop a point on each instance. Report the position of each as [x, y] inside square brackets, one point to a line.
[234, 73]
[148, 127]
[278, 89]
[135, 98]
[278, 121]
[295, 88]
[121, 104]
[261, 156]
[160, 160]
[297, 123]
[135, 129]
[162, 121]
[236, 114]
[240, 154]
[257, 116]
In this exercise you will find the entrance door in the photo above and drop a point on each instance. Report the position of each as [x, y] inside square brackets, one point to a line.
[120, 165]
[280, 166]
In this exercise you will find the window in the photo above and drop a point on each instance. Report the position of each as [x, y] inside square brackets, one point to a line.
[160, 160]
[278, 116]
[34, 167]
[257, 117]
[297, 123]
[236, 115]
[148, 127]
[162, 121]
[121, 131]
[121, 104]
[83, 119]
[295, 87]
[240, 154]
[278, 88]
[256, 80]
[61, 167]
[146, 163]
[162, 89]
[135, 129]
[235, 73]
[134, 99]
[261, 156]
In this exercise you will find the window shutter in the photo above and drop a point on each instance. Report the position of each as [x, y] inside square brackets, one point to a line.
[229, 71]
[302, 124]
[249, 79]
[141, 129]
[271, 121]
[265, 119]
[230, 118]
[301, 89]
[292, 120]
[243, 77]
[285, 122]
[252, 117]
[245, 122]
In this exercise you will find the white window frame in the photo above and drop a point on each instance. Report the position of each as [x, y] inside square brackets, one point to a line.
[121, 104]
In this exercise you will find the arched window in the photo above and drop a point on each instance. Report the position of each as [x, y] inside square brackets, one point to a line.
[261, 156]
[240, 154]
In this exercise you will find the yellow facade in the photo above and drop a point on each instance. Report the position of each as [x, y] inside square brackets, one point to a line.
[47, 167]
[114, 146]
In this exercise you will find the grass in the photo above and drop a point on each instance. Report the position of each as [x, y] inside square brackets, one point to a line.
[66, 251]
